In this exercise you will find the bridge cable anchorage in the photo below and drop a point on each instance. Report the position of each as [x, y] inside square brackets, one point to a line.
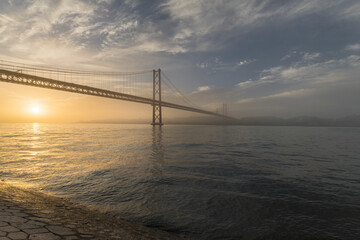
[101, 84]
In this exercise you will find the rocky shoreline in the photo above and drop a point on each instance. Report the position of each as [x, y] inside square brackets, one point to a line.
[26, 214]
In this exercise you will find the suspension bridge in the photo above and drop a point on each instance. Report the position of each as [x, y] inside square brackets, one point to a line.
[145, 87]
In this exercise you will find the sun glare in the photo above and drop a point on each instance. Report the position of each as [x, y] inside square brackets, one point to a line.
[35, 109]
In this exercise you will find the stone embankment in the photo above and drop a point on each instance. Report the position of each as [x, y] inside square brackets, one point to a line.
[26, 214]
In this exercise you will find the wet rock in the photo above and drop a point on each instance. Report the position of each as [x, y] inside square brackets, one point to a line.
[44, 236]
[17, 236]
[9, 229]
[63, 231]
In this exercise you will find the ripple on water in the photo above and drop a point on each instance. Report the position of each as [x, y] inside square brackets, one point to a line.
[204, 182]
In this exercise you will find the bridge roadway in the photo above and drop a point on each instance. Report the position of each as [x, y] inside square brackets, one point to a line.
[35, 81]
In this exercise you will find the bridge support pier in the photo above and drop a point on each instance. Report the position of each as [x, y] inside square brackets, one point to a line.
[157, 113]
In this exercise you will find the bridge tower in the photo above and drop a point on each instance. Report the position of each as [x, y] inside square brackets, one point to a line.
[157, 114]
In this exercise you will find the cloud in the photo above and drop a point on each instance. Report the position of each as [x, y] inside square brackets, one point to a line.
[203, 88]
[199, 22]
[310, 56]
[354, 47]
[246, 83]
[129, 27]
[304, 71]
[350, 11]
[287, 56]
[245, 62]
[299, 75]
[44, 28]
[304, 56]
[5, 19]
[252, 83]
[217, 64]
[286, 94]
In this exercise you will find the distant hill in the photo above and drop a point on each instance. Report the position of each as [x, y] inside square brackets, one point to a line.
[349, 121]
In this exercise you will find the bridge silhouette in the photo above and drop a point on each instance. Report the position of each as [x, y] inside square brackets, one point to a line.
[115, 85]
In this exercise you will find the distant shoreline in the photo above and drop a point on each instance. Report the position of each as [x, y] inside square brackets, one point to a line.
[302, 121]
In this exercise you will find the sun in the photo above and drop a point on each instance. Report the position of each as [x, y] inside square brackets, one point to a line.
[36, 109]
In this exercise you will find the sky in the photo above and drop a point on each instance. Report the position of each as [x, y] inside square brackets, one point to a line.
[262, 58]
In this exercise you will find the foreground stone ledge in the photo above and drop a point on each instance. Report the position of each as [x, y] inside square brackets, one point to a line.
[26, 214]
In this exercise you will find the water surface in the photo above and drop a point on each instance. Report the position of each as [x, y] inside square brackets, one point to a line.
[203, 182]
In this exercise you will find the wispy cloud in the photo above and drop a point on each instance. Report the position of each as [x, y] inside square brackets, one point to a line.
[310, 56]
[304, 80]
[217, 64]
[252, 83]
[286, 94]
[127, 27]
[198, 21]
[313, 72]
[245, 62]
[351, 10]
[353, 47]
[304, 56]
[202, 89]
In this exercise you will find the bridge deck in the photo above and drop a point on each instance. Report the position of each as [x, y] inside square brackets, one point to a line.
[36, 81]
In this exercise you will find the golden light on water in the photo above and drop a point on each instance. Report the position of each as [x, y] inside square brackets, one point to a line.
[35, 127]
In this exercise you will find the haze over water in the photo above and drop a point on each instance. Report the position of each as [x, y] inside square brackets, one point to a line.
[203, 182]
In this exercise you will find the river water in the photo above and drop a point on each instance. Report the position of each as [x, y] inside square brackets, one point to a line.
[202, 182]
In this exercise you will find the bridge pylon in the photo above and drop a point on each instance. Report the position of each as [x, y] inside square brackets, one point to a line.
[157, 113]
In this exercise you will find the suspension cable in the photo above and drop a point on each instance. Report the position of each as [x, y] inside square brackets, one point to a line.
[173, 88]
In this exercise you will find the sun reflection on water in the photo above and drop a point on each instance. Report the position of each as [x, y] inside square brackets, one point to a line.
[35, 128]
